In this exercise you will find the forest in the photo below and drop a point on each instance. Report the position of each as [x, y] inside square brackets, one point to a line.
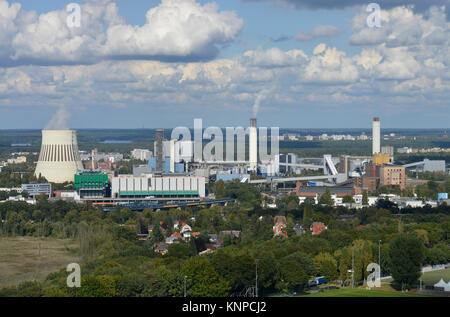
[115, 263]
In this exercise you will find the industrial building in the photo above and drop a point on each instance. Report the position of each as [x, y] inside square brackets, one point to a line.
[92, 184]
[59, 159]
[384, 175]
[428, 166]
[141, 154]
[36, 189]
[153, 186]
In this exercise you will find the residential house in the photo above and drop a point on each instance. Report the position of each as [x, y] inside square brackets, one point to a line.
[174, 238]
[161, 248]
[186, 231]
[317, 228]
[279, 226]
[298, 229]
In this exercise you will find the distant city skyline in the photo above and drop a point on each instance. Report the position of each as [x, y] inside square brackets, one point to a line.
[297, 63]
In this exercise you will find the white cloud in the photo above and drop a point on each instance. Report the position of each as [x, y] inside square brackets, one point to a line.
[274, 57]
[319, 31]
[174, 30]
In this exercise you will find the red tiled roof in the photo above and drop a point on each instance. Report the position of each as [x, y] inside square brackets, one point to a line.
[306, 194]
[176, 235]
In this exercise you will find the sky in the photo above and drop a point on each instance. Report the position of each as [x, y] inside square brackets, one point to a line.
[161, 64]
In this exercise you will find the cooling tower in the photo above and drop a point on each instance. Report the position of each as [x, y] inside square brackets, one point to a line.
[376, 135]
[59, 159]
[253, 146]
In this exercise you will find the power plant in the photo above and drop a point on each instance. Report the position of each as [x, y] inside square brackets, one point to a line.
[59, 159]
[376, 135]
[253, 146]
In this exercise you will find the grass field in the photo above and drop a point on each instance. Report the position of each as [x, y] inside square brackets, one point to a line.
[356, 292]
[431, 278]
[29, 258]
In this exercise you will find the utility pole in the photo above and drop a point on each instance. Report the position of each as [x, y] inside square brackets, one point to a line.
[353, 266]
[185, 285]
[256, 279]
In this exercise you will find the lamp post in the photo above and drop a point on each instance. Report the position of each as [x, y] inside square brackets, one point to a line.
[353, 266]
[379, 254]
[256, 278]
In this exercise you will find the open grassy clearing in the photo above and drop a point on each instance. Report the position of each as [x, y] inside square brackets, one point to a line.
[358, 292]
[431, 278]
[30, 258]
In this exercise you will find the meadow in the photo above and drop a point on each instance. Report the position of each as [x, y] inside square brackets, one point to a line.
[32, 259]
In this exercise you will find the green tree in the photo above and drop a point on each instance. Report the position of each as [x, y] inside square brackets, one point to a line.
[204, 281]
[326, 198]
[365, 198]
[406, 253]
[326, 265]
[348, 199]
[238, 270]
[293, 277]
[156, 235]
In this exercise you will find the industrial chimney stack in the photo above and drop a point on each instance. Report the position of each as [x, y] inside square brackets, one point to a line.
[376, 135]
[253, 146]
[159, 151]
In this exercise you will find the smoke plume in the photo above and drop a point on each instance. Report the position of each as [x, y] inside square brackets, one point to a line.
[262, 95]
[59, 120]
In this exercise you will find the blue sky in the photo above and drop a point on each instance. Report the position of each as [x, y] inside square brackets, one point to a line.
[309, 67]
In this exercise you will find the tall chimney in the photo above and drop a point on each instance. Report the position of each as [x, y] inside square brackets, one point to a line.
[253, 146]
[376, 135]
[159, 151]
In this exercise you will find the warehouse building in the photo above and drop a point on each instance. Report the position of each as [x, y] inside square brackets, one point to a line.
[151, 186]
[36, 189]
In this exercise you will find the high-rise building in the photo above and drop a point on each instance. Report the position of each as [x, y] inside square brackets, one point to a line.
[376, 135]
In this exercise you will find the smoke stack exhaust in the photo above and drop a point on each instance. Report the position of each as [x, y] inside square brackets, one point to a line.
[376, 135]
[253, 146]
[159, 151]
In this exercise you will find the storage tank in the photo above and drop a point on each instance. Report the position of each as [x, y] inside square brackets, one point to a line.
[59, 159]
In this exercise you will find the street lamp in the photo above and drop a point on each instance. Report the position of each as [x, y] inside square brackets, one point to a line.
[256, 278]
[379, 254]
[353, 267]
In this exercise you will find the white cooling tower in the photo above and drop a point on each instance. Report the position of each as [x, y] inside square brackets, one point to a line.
[253, 146]
[376, 135]
[59, 159]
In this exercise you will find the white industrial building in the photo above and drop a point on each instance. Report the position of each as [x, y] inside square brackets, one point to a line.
[157, 186]
[59, 159]
[141, 154]
[178, 150]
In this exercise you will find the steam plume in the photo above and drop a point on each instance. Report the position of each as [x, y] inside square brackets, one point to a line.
[262, 95]
[59, 120]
